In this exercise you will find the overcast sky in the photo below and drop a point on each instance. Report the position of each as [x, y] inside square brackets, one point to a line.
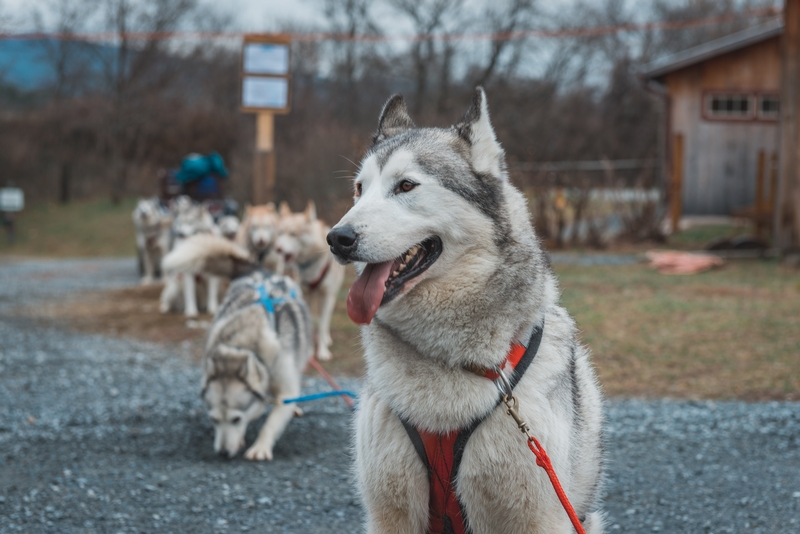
[250, 15]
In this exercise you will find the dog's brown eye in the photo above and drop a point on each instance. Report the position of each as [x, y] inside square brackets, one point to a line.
[358, 189]
[405, 186]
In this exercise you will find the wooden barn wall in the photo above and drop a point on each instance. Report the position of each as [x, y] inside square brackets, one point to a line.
[721, 157]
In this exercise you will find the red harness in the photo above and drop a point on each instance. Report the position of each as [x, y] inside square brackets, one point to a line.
[442, 453]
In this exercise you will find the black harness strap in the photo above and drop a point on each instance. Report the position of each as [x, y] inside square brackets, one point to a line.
[464, 434]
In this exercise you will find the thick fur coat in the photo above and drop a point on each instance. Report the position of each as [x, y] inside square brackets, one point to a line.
[490, 285]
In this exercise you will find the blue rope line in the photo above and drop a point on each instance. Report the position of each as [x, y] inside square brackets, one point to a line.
[323, 395]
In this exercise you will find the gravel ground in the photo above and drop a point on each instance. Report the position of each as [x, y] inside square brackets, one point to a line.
[108, 435]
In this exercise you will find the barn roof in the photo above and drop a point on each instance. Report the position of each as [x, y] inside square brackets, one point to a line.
[717, 47]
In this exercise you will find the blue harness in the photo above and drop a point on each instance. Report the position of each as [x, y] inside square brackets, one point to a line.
[269, 302]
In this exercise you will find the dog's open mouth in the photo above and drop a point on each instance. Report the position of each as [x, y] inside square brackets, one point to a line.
[379, 283]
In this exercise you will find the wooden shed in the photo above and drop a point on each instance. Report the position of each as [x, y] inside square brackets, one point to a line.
[723, 122]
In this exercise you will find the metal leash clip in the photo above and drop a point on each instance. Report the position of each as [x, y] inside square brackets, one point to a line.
[504, 385]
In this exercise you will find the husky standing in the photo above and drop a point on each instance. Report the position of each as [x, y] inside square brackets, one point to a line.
[256, 350]
[453, 290]
[258, 232]
[180, 291]
[228, 226]
[301, 242]
[152, 223]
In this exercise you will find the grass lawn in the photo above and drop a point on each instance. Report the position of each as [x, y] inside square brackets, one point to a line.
[85, 228]
[729, 333]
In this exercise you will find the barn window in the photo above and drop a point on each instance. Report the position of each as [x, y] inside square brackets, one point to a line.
[729, 105]
[768, 106]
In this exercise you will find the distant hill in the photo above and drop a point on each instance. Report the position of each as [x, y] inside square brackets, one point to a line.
[24, 62]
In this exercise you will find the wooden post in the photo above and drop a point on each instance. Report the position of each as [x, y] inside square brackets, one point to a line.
[264, 164]
[787, 207]
[676, 182]
[761, 207]
[773, 182]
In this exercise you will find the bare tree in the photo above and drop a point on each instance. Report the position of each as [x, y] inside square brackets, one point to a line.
[351, 18]
[503, 18]
[428, 17]
[138, 68]
[70, 63]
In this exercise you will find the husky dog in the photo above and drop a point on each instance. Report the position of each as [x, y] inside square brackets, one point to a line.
[257, 233]
[152, 223]
[180, 291]
[256, 350]
[301, 242]
[451, 278]
[228, 226]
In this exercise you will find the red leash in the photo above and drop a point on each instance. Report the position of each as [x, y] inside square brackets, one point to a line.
[328, 378]
[542, 460]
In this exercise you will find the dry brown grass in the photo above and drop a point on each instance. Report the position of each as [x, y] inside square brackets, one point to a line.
[731, 333]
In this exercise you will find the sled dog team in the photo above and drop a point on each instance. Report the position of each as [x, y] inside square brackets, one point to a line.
[456, 301]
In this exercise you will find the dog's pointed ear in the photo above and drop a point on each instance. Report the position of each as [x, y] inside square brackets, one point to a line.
[254, 374]
[284, 209]
[271, 207]
[476, 129]
[311, 211]
[394, 119]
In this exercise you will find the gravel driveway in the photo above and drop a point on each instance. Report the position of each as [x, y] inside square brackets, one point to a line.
[107, 435]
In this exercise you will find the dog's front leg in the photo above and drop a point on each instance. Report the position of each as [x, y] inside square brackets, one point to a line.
[324, 340]
[276, 423]
[213, 294]
[147, 266]
[169, 294]
[189, 295]
[391, 477]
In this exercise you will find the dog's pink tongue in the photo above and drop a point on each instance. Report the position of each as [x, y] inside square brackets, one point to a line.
[367, 291]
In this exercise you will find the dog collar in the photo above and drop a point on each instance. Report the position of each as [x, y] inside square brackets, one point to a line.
[315, 284]
[513, 358]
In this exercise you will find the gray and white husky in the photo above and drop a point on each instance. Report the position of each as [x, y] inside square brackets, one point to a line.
[451, 275]
[301, 242]
[256, 350]
[152, 223]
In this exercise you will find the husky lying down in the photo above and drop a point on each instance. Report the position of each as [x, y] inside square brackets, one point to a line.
[256, 350]
[452, 283]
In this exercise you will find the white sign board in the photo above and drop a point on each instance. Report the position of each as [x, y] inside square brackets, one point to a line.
[260, 92]
[266, 58]
[12, 199]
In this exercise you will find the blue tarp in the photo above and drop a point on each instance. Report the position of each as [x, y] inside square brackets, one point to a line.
[197, 166]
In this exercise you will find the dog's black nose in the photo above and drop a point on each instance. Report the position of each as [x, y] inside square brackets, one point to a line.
[343, 241]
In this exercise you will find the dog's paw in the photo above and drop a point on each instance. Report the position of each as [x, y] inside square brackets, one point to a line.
[258, 453]
[192, 313]
[163, 307]
[146, 281]
[324, 354]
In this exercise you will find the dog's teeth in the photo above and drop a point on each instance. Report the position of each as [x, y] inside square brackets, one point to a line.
[402, 267]
[396, 273]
